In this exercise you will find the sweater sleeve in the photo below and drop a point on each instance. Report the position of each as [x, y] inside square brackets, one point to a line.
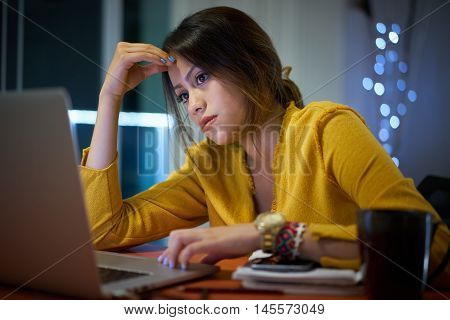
[178, 202]
[355, 161]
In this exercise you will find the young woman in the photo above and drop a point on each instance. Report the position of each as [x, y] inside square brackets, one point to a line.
[264, 151]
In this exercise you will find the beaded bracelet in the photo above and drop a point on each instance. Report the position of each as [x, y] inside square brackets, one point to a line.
[288, 240]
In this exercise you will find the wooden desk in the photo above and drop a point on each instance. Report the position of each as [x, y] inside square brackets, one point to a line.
[219, 286]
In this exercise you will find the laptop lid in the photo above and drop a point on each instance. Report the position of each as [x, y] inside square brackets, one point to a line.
[44, 234]
[42, 197]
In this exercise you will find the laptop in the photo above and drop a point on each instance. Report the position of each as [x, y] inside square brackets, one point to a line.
[44, 233]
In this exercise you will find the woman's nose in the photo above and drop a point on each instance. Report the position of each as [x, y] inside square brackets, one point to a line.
[198, 105]
[198, 110]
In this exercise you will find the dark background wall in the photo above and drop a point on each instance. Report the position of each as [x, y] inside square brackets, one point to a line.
[62, 46]
[48, 61]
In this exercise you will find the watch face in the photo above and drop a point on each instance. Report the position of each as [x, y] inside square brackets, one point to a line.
[270, 220]
[274, 220]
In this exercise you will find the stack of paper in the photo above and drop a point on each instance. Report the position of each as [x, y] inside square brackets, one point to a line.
[317, 281]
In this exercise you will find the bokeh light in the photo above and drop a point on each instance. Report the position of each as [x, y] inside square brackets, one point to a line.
[380, 43]
[383, 135]
[378, 68]
[385, 110]
[401, 85]
[388, 148]
[380, 59]
[402, 67]
[393, 36]
[412, 95]
[378, 88]
[401, 109]
[395, 122]
[396, 161]
[381, 27]
[392, 55]
[367, 83]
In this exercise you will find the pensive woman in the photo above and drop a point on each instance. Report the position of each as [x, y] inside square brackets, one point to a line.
[307, 168]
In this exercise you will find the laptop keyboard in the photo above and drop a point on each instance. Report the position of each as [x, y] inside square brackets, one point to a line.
[110, 275]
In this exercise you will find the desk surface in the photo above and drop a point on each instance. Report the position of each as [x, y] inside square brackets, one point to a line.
[218, 286]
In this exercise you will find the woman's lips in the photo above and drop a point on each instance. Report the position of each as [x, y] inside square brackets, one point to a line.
[208, 125]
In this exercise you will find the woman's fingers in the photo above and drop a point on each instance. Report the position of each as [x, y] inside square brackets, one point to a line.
[148, 48]
[178, 239]
[163, 258]
[129, 59]
[194, 248]
[175, 246]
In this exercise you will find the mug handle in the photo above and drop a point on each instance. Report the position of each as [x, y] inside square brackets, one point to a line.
[444, 261]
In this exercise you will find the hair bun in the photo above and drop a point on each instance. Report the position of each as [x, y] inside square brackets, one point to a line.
[285, 72]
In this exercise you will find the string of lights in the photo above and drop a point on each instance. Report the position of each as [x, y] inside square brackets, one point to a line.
[388, 84]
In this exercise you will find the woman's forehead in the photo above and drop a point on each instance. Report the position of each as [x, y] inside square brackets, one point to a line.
[179, 70]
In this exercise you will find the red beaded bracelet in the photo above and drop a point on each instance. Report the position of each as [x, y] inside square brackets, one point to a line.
[288, 240]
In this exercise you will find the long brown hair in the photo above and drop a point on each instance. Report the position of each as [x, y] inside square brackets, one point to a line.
[230, 45]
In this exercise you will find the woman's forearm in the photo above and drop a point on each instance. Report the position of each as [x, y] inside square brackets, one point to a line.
[104, 139]
[123, 75]
[313, 249]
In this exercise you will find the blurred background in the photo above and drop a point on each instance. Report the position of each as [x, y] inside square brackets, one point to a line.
[387, 59]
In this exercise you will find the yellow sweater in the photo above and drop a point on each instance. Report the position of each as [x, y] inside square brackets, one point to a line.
[326, 165]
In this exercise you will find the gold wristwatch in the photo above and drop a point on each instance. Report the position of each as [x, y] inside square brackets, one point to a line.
[268, 224]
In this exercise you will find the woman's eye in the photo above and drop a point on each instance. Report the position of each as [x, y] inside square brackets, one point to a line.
[182, 98]
[202, 77]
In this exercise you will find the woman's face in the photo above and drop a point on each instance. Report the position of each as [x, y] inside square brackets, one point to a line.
[204, 96]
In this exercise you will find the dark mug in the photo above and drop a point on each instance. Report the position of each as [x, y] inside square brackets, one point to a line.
[395, 249]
